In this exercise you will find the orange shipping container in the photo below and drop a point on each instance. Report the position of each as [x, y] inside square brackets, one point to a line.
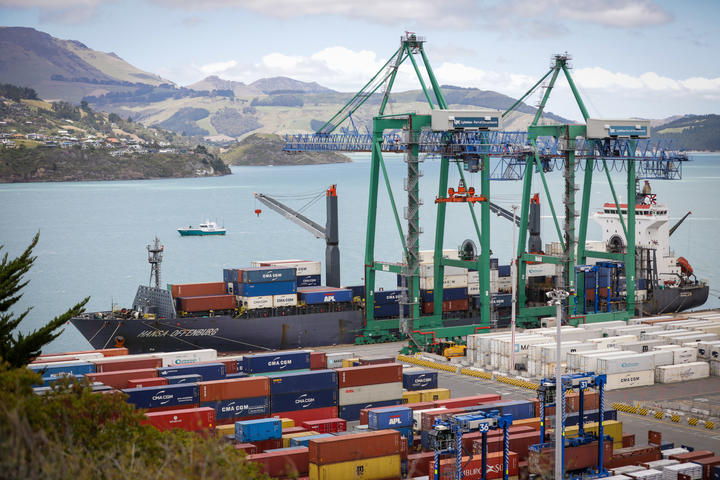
[354, 447]
[232, 388]
[369, 375]
[198, 289]
[207, 303]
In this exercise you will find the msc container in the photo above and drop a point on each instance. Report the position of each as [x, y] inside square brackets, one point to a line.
[369, 375]
[75, 367]
[301, 400]
[263, 301]
[241, 407]
[190, 419]
[352, 412]
[282, 462]
[354, 446]
[286, 300]
[631, 379]
[334, 360]
[370, 393]
[322, 294]
[120, 379]
[303, 381]
[234, 388]
[268, 275]
[629, 363]
[249, 431]
[187, 357]
[194, 378]
[380, 419]
[197, 289]
[264, 289]
[682, 372]
[418, 379]
[275, 362]
[163, 395]
[375, 468]
[206, 303]
[327, 425]
[208, 371]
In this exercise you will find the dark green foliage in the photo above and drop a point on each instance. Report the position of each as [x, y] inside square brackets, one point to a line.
[183, 121]
[278, 101]
[66, 110]
[16, 93]
[232, 123]
[71, 432]
[114, 118]
[19, 349]
[267, 149]
[699, 132]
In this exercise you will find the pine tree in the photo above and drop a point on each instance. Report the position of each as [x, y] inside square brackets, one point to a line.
[19, 349]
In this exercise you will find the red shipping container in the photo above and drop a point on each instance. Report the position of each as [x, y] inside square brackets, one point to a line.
[232, 388]
[284, 463]
[120, 379]
[293, 430]
[707, 465]
[469, 439]
[172, 407]
[467, 401]
[420, 463]
[691, 456]
[107, 352]
[472, 469]
[635, 455]
[576, 458]
[318, 361]
[207, 303]
[272, 444]
[300, 416]
[120, 364]
[369, 375]
[356, 446]
[198, 289]
[519, 443]
[326, 425]
[628, 440]
[248, 448]
[147, 382]
[448, 306]
[190, 419]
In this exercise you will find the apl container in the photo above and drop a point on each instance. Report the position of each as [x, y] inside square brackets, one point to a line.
[321, 294]
[208, 371]
[163, 396]
[390, 418]
[419, 379]
[275, 362]
[258, 430]
[302, 400]
[303, 381]
[268, 275]
[237, 408]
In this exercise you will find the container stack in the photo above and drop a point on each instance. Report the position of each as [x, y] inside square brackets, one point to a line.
[375, 454]
[368, 386]
[387, 304]
[236, 399]
[304, 396]
[308, 273]
[263, 287]
[201, 297]
[419, 379]
[394, 418]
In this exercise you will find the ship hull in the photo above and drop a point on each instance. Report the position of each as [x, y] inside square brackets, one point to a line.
[223, 332]
[676, 299]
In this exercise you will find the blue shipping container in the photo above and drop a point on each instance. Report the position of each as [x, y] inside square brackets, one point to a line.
[352, 412]
[448, 294]
[245, 407]
[504, 271]
[390, 310]
[303, 381]
[258, 430]
[357, 291]
[286, 402]
[232, 275]
[420, 380]
[276, 362]
[59, 370]
[208, 371]
[268, 275]
[163, 395]
[236, 375]
[303, 441]
[590, 416]
[192, 378]
[264, 289]
[308, 280]
[501, 300]
[49, 380]
[383, 297]
[519, 409]
[406, 432]
[390, 418]
[314, 296]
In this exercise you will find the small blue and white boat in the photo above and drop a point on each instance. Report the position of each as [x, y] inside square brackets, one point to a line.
[207, 228]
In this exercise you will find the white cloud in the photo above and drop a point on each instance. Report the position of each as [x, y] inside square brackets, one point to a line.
[218, 68]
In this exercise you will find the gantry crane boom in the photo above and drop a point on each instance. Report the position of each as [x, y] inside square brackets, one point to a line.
[292, 215]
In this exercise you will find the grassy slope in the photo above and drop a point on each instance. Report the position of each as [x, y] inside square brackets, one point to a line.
[266, 149]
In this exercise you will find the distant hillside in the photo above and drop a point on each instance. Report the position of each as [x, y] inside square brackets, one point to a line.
[213, 82]
[266, 149]
[288, 85]
[691, 132]
[64, 69]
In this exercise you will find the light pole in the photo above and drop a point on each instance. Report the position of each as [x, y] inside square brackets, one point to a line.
[557, 296]
[513, 275]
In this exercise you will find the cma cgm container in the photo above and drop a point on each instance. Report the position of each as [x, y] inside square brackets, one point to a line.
[419, 379]
[258, 430]
[285, 402]
[303, 381]
[268, 275]
[208, 371]
[308, 280]
[163, 396]
[264, 289]
[275, 362]
[240, 407]
[190, 419]
[322, 294]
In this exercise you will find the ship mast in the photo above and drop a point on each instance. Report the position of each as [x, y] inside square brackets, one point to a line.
[155, 256]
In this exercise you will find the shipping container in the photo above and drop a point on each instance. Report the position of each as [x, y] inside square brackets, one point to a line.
[318, 361]
[206, 303]
[237, 408]
[707, 465]
[303, 381]
[375, 468]
[277, 361]
[352, 412]
[520, 443]
[448, 306]
[369, 375]
[460, 293]
[468, 401]
[126, 363]
[232, 275]
[75, 367]
[258, 430]
[370, 393]
[271, 274]
[683, 372]
[398, 417]
[434, 394]
[303, 400]
[187, 357]
[307, 414]
[390, 310]
[322, 294]
[577, 457]
[147, 382]
[308, 280]
[334, 360]
[163, 395]
[197, 289]
[120, 379]
[190, 419]
[234, 388]
[385, 297]
[629, 380]
[105, 352]
[449, 281]
[635, 455]
[326, 425]
[281, 463]
[287, 300]
[302, 267]
[263, 301]
[419, 379]
[472, 468]
[354, 446]
[248, 448]
[208, 371]
[264, 289]
[412, 406]
[303, 440]
[376, 360]
[175, 379]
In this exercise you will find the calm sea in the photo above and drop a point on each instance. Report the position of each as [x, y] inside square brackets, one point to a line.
[93, 234]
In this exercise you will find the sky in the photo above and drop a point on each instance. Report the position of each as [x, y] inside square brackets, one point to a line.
[630, 58]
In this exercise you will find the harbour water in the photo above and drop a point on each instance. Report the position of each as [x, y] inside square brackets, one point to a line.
[93, 234]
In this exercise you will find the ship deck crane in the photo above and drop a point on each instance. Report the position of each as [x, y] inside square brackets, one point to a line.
[329, 232]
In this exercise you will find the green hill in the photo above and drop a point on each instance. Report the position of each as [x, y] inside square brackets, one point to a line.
[691, 132]
[266, 149]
